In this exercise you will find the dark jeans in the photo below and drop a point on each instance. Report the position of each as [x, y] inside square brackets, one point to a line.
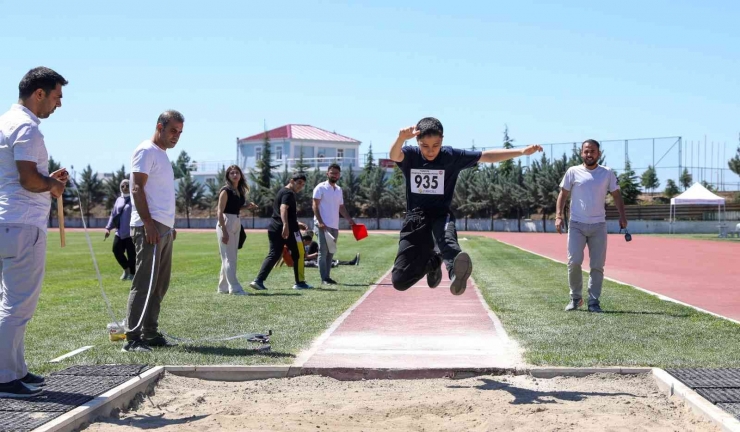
[275, 235]
[125, 253]
[426, 240]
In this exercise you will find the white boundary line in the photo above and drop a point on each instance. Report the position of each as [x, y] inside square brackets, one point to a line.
[660, 296]
[303, 356]
[70, 354]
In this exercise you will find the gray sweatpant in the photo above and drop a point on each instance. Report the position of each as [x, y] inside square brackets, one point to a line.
[580, 235]
[325, 257]
[22, 261]
[140, 284]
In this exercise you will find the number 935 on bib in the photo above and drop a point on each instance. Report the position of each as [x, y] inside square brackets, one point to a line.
[427, 182]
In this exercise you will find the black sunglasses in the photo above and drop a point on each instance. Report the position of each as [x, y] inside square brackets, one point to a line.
[627, 235]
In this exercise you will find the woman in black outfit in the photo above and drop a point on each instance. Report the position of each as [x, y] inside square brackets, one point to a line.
[231, 199]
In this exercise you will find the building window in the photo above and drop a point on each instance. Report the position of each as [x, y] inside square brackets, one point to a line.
[279, 152]
[340, 155]
[258, 153]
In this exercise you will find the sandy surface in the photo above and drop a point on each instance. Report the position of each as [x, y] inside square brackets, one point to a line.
[488, 403]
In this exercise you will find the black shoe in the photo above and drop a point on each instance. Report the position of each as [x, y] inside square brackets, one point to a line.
[595, 307]
[462, 267]
[158, 341]
[258, 285]
[136, 346]
[329, 281]
[574, 304]
[434, 277]
[18, 389]
[34, 380]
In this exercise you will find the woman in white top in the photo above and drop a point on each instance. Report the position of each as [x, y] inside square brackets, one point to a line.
[231, 199]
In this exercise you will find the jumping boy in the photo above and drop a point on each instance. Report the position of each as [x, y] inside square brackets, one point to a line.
[428, 236]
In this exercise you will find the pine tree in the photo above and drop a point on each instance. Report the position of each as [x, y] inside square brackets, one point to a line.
[507, 166]
[261, 178]
[350, 184]
[734, 163]
[671, 189]
[190, 195]
[686, 179]
[113, 187]
[92, 191]
[649, 179]
[629, 185]
[183, 165]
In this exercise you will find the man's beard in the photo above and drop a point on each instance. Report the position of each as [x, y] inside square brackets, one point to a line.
[333, 181]
[592, 163]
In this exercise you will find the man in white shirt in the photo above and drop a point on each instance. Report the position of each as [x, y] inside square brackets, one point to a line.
[328, 203]
[152, 225]
[26, 189]
[587, 185]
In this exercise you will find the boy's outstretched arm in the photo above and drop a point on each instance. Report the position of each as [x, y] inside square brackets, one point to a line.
[500, 155]
[396, 153]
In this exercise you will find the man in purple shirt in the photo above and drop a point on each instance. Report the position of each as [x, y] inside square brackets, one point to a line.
[123, 246]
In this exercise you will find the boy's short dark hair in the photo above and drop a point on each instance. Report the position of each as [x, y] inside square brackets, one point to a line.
[592, 142]
[39, 78]
[429, 126]
[299, 176]
[307, 237]
[334, 166]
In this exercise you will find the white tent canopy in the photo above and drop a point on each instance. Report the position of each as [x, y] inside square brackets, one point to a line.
[697, 195]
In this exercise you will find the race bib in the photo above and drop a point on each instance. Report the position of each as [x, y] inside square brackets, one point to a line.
[427, 182]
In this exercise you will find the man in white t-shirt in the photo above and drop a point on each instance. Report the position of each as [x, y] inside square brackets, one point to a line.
[152, 226]
[26, 189]
[587, 185]
[328, 203]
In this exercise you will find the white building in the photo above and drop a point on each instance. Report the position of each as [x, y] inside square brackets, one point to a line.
[319, 147]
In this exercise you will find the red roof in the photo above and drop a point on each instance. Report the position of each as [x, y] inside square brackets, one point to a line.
[300, 132]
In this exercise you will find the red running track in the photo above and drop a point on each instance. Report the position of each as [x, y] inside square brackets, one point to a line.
[702, 273]
[421, 328]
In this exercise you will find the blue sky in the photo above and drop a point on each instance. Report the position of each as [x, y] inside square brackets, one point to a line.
[553, 71]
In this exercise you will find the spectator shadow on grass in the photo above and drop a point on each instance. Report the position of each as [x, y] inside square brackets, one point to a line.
[234, 352]
[618, 312]
[526, 396]
[151, 421]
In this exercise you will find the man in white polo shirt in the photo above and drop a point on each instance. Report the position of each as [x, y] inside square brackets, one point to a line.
[328, 202]
[152, 223]
[26, 189]
[587, 185]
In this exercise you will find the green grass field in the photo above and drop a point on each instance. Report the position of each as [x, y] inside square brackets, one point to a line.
[527, 292]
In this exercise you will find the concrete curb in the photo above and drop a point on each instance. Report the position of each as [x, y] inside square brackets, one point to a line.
[552, 372]
[232, 373]
[116, 398]
[698, 404]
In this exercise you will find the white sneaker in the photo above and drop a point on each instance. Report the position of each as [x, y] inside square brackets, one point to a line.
[302, 285]
[240, 293]
[125, 275]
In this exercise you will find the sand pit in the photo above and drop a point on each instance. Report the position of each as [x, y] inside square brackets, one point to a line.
[486, 403]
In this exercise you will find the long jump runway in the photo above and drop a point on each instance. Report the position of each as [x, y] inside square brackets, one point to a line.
[421, 328]
[701, 273]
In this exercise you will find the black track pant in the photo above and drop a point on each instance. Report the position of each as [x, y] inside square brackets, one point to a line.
[426, 240]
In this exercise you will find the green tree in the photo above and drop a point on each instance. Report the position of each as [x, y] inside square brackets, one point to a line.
[708, 185]
[548, 183]
[190, 195]
[686, 179]
[350, 183]
[113, 187]
[649, 179]
[210, 199]
[369, 160]
[92, 191]
[376, 193]
[629, 185]
[506, 167]
[671, 189]
[463, 203]
[734, 163]
[301, 165]
[68, 197]
[261, 178]
[183, 165]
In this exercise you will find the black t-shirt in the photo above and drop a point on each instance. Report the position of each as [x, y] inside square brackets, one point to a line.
[431, 184]
[312, 248]
[235, 201]
[287, 197]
